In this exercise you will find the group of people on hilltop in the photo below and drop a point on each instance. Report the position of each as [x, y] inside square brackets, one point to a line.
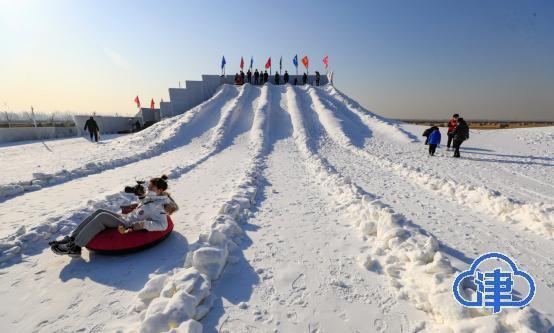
[262, 77]
[458, 132]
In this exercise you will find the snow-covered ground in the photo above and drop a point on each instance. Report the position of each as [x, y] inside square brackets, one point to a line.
[300, 211]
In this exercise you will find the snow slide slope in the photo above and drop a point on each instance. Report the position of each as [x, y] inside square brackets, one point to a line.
[300, 211]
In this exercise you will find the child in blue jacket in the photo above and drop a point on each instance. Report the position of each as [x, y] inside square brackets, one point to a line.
[434, 140]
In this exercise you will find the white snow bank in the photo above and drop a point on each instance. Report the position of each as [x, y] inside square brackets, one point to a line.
[378, 124]
[150, 142]
[160, 303]
[538, 217]
[408, 255]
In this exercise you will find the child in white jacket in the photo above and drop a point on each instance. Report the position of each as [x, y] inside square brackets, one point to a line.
[150, 214]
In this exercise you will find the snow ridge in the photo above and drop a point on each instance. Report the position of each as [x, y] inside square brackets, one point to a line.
[381, 125]
[182, 297]
[156, 139]
[537, 217]
[407, 254]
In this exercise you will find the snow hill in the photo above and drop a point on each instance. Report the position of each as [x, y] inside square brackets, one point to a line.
[301, 211]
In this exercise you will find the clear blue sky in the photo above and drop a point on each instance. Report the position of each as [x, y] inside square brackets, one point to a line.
[408, 59]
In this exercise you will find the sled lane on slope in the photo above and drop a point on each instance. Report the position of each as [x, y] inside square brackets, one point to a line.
[537, 217]
[182, 296]
[52, 293]
[43, 208]
[299, 272]
[408, 255]
[43, 170]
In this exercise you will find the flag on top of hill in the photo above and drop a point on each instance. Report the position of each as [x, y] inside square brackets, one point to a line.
[137, 100]
[241, 63]
[305, 61]
[326, 61]
[268, 63]
[152, 104]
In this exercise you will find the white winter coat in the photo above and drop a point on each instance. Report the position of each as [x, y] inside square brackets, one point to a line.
[150, 211]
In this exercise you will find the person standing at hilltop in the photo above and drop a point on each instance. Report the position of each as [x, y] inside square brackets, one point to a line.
[286, 77]
[277, 78]
[241, 77]
[249, 76]
[304, 78]
[451, 127]
[266, 77]
[256, 76]
[461, 133]
[92, 128]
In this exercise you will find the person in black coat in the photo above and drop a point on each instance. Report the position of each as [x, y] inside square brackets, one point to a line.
[256, 76]
[304, 78]
[277, 78]
[249, 76]
[460, 134]
[317, 78]
[266, 77]
[286, 77]
[241, 77]
[428, 132]
[93, 128]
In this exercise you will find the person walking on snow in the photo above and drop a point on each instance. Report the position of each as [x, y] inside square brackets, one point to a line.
[266, 77]
[434, 140]
[428, 132]
[256, 76]
[286, 77]
[150, 214]
[93, 128]
[461, 133]
[317, 78]
[304, 78]
[277, 78]
[451, 127]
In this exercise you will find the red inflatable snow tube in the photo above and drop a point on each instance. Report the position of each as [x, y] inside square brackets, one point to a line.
[111, 241]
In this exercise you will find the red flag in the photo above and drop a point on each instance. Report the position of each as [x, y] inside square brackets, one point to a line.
[137, 100]
[326, 61]
[241, 63]
[152, 104]
[305, 61]
[268, 63]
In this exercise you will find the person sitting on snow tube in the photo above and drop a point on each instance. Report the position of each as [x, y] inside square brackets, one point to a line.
[150, 215]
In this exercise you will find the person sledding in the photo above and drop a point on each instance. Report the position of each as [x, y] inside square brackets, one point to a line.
[149, 214]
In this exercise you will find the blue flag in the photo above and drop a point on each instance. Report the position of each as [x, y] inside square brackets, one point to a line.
[223, 62]
[251, 62]
[295, 61]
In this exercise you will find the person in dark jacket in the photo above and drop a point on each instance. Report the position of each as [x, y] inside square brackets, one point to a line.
[249, 76]
[241, 77]
[461, 133]
[286, 77]
[304, 78]
[317, 78]
[451, 127]
[237, 79]
[277, 78]
[428, 132]
[256, 76]
[434, 140]
[266, 77]
[93, 128]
